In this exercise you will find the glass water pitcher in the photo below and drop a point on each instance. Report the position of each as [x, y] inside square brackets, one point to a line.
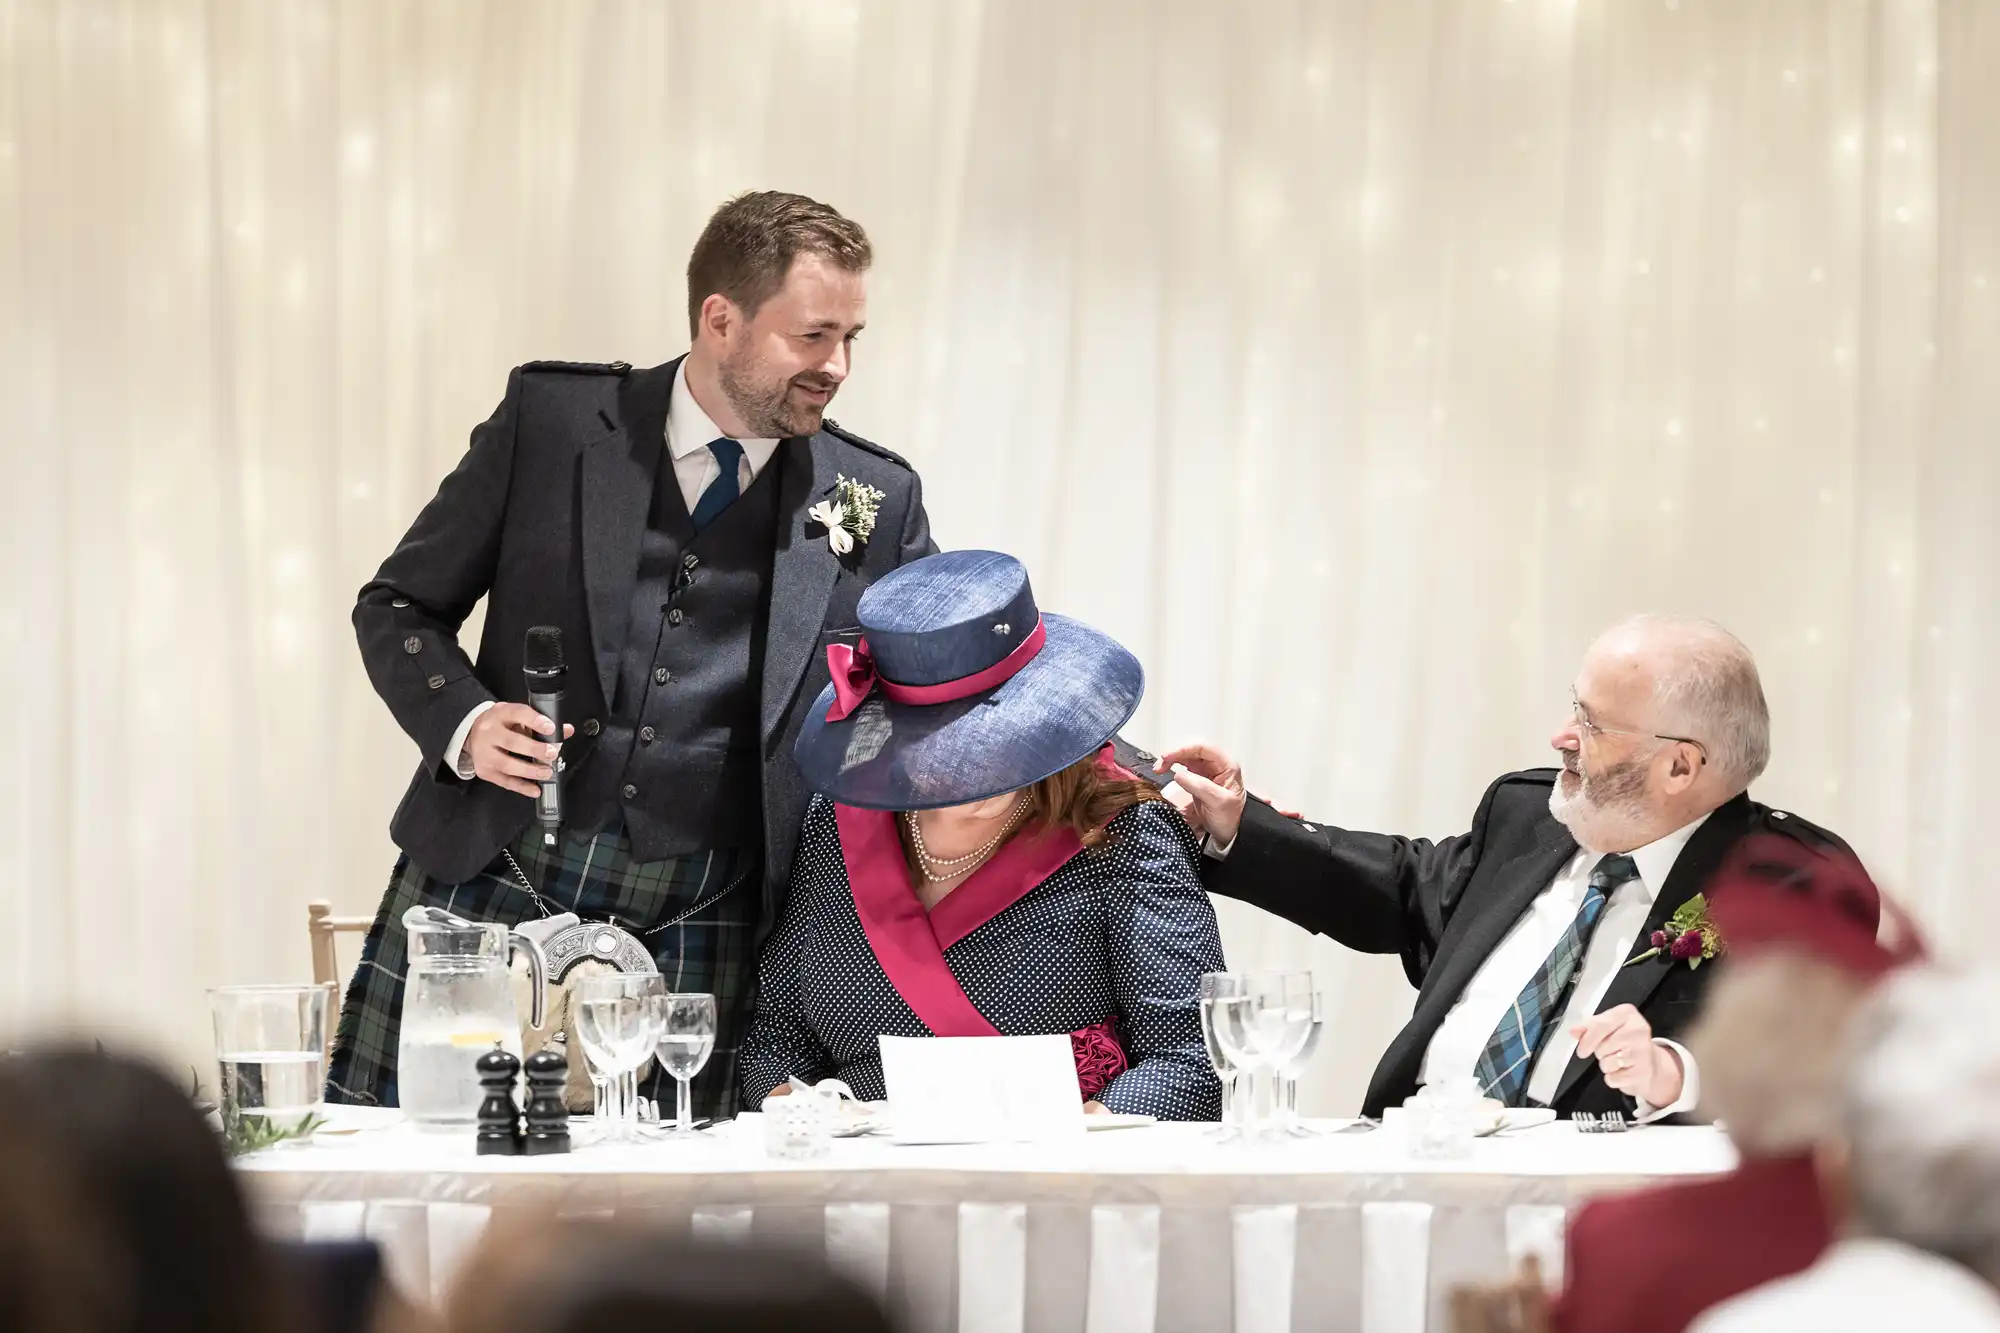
[458, 1004]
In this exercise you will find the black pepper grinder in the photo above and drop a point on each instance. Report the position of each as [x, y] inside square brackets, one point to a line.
[499, 1118]
[547, 1114]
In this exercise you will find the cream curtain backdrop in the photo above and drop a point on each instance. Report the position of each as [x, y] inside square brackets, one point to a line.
[1352, 362]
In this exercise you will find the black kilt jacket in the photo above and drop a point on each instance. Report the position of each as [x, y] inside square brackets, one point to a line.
[543, 517]
[1444, 906]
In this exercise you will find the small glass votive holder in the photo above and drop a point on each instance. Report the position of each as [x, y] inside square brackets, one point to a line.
[799, 1127]
[1438, 1123]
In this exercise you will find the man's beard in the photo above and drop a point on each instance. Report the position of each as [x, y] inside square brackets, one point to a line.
[766, 405]
[1599, 808]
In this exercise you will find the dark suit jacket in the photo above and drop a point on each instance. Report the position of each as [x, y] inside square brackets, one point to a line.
[543, 518]
[1651, 1262]
[1444, 906]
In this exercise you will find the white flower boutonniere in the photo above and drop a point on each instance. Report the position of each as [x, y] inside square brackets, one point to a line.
[849, 517]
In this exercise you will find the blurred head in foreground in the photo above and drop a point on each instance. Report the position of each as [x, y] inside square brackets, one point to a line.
[1921, 1118]
[118, 1210]
[1772, 1040]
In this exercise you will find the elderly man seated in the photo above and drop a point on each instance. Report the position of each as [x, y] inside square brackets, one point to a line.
[1920, 1180]
[1558, 946]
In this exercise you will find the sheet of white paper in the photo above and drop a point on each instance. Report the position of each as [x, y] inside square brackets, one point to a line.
[981, 1089]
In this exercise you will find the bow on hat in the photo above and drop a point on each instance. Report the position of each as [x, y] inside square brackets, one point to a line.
[855, 677]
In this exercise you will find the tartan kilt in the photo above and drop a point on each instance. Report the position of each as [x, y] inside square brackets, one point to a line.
[594, 876]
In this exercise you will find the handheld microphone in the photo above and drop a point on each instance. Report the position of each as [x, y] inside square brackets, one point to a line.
[542, 665]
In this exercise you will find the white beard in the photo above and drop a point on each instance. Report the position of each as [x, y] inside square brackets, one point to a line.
[1563, 804]
[1572, 810]
[1596, 827]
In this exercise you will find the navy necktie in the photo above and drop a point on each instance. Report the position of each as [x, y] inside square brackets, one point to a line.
[1510, 1052]
[721, 492]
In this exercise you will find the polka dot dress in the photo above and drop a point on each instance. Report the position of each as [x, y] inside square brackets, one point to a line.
[1122, 931]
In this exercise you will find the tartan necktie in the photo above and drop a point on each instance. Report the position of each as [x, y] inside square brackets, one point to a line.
[721, 492]
[1510, 1051]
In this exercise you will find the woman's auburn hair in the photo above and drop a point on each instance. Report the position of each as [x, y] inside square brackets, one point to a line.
[1084, 798]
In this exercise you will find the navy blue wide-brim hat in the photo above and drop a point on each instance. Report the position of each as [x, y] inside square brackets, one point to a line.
[961, 689]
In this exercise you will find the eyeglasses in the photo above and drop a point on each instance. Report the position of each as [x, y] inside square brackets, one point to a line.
[1583, 723]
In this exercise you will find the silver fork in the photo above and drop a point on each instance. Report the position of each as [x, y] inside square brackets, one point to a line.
[1611, 1122]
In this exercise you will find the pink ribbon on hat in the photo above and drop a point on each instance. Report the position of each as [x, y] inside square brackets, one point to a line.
[855, 677]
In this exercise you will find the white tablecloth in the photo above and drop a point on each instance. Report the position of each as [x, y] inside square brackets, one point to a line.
[1150, 1230]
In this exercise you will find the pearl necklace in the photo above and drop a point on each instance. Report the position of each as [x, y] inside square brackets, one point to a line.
[936, 869]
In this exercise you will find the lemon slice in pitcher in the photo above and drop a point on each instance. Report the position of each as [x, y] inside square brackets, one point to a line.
[463, 1040]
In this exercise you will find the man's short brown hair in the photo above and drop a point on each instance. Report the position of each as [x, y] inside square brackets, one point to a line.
[748, 247]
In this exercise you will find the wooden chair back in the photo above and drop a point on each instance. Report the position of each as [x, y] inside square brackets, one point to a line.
[324, 925]
[1519, 1305]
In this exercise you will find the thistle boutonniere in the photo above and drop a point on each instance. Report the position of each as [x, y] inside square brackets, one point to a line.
[1689, 936]
[849, 517]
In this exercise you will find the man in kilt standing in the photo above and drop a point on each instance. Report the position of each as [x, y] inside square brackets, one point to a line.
[674, 524]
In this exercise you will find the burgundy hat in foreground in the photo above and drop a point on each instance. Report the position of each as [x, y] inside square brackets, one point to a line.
[1777, 894]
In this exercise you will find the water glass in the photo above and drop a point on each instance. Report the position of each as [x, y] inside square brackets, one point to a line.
[270, 1045]
[686, 1039]
[617, 1017]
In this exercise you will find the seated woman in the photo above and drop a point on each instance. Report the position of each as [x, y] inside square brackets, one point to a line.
[975, 864]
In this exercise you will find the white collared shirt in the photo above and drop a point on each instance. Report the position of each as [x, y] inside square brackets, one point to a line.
[1460, 1039]
[689, 432]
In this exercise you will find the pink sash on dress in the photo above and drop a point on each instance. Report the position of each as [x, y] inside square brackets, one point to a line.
[909, 942]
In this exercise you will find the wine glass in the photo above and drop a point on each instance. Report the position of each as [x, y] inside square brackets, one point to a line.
[685, 1038]
[1284, 1024]
[1219, 990]
[618, 1020]
[1236, 1033]
[1261, 1030]
[1292, 998]
[1289, 1071]
[597, 1061]
[601, 1109]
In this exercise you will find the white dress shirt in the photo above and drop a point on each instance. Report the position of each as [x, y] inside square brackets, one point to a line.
[1862, 1286]
[689, 433]
[1460, 1039]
